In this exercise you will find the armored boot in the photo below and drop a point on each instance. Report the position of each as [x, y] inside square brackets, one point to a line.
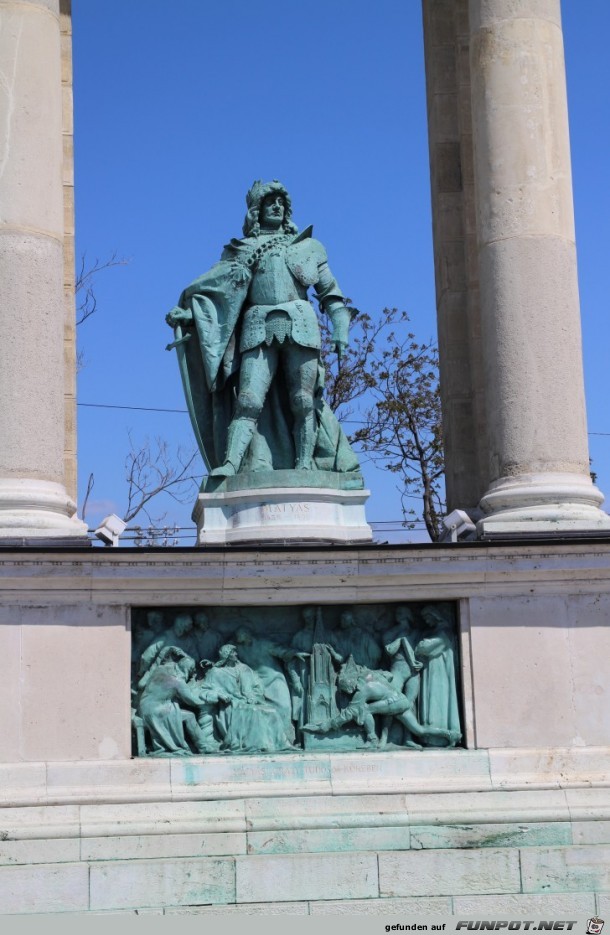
[240, 435]
[305, 441]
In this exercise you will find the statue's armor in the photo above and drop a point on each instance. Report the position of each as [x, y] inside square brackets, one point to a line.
[277, 306]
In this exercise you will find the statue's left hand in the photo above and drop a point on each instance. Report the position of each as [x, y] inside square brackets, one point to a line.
[178, 316]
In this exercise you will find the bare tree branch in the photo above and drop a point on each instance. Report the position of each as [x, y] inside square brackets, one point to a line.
[152, 469]
[86, 301]
[90, 485]
[389, 382]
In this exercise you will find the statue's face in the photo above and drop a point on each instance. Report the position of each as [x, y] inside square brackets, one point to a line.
[273, 211]
[202, 621]
[347, 620]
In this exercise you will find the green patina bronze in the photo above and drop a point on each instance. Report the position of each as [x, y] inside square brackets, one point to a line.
[284, 679]
[248, 344]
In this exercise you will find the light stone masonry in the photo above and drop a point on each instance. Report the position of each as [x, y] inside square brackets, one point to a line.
[526, 802]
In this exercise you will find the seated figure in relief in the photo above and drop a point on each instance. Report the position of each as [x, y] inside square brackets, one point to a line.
[268, 659]
[168, 703]
[248, 723]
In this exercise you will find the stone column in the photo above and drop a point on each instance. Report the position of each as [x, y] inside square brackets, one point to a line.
[446, 44]
[531, 343]
[70, 477]
[34, 504]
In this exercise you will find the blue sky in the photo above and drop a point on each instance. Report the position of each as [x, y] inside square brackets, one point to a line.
[179, 106]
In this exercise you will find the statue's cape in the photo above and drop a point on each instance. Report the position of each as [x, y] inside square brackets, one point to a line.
[215, 300]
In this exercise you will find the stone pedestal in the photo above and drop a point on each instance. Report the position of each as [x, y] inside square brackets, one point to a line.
[515, 821]
[34, 503]
[286, 514]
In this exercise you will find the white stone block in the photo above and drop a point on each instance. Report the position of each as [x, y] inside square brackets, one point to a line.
[410, 771]
[161, 845]
[39, 821]
[247, 909]
[58, 888]
[142, 883]
[589, 804]
[138, 818]
[580, 869]
[10, 686]
[467, 835]
[446, 873]
[282, 514]
[75, 678]
[23, 783]
[328, 840]
[49, 851]
[324, 811]
[418, 906]
[247, 776]
[516, 644]
[549, 767]
[484, 807]
[118, 780]
[591, 832]
[306, 876]
[541, 905]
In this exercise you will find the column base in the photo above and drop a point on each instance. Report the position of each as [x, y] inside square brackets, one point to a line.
[34, 510]
[543, 504]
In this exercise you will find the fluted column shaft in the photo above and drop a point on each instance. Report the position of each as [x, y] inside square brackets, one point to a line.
[33, 498]
[530, 318]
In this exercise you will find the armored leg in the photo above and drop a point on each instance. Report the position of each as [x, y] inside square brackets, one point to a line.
[301, 368]
[257, 371]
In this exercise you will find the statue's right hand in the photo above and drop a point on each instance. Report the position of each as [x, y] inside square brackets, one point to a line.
[178, 316]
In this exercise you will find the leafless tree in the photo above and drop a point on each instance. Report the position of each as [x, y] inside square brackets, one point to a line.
[388, 383]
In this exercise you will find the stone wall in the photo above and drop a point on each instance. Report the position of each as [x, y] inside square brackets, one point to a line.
[517, 834]
[519, 821]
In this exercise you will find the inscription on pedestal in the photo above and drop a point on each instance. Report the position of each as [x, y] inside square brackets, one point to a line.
[284, 511]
